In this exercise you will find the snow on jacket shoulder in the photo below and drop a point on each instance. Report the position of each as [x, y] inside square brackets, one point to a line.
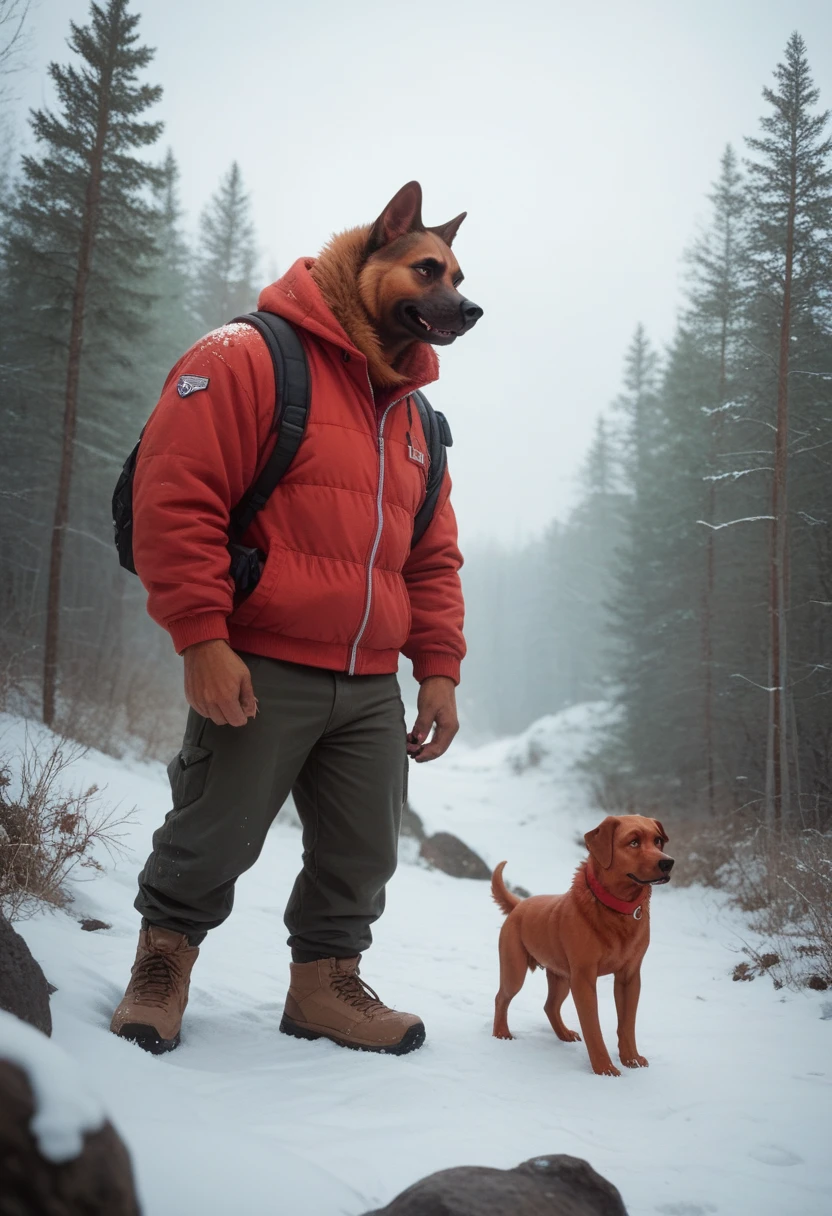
[340, 587]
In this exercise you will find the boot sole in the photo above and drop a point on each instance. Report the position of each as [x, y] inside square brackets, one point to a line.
[148, 1038]
[412, 1040]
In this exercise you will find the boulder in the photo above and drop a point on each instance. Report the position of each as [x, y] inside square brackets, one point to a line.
[58, 1154]
[543, 1186]
[448, 853]
[412, 825]
[23, 987]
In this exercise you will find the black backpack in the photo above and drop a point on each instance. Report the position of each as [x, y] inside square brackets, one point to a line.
[291, 413]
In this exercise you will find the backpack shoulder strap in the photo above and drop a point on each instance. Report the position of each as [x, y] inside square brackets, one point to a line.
[438, 438]
[291, 379]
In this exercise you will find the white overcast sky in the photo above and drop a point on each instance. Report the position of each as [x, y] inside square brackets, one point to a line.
[581, 137]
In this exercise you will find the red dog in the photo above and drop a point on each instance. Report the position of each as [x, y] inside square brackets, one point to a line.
[600, 926]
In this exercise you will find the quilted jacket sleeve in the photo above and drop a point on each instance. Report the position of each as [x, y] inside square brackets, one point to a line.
[198, 455]
[436, 644]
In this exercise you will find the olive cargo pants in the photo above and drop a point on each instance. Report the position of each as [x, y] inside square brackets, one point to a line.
[338, 743]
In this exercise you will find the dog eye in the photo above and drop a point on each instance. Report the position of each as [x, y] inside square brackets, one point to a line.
[424, 271]
[659, 841]
[634, 844]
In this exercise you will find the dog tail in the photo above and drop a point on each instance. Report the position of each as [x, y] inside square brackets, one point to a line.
[503, 898]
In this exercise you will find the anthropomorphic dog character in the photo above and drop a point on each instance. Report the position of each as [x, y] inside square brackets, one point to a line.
[601, 926]
[293, 689]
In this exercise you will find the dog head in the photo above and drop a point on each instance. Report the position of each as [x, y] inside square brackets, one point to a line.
[631, 846]
[409, 281]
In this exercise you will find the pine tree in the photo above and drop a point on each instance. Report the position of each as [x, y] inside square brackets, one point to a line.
[637, 404]
[715, 312]
[173, 325]
[228, 255]
[80, 241]
[791, 267]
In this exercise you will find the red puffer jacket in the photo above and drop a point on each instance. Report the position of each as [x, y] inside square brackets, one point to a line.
[341, 587]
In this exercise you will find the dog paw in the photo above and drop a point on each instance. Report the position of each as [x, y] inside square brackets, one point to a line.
[635, 1062]
[503, 1034]
[569, 1036]
[606, 1070]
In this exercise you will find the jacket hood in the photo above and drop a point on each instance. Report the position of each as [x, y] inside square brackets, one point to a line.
[297, 297]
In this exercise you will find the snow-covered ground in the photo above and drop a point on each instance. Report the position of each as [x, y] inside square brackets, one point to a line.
[732, 1116]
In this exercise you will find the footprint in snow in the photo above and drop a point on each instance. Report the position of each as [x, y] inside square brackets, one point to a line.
[773, 1154]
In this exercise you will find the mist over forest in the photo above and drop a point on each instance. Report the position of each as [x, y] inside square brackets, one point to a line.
[642, 479]
[689, 585]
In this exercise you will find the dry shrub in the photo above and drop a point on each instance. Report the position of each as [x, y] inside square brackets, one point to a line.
[785, 881]
[782, 879]
[47, 831]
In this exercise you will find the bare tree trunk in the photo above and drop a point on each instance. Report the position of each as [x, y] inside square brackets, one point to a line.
[710, 580]
[86, 249]
[778, 798]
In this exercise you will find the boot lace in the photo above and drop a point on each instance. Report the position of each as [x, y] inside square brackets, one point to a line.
[155, 978]
[352, 989]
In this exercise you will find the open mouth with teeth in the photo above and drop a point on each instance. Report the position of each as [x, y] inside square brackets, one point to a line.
[420, 325]
[650, 882]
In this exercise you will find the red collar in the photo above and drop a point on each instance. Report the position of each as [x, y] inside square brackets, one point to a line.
[626, 907]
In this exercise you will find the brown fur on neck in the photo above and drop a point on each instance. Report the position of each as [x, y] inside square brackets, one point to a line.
[336, 272]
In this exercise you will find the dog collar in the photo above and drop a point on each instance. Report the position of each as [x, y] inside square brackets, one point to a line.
[626, 907]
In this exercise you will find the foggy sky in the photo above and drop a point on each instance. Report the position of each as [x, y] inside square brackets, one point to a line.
[581, 138]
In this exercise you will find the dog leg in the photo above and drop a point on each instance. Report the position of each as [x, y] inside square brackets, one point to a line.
[514, 963]
[586, 1002]
[627, 989]
[558, 992]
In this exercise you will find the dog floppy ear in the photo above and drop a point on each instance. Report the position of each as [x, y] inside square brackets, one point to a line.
[447, 232]
[600, 841]
[662, 832]
[402, 214]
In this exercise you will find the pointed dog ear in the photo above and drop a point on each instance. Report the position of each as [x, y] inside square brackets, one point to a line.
[402, 214]
[662, 832]
[447, 232]
[600, 841]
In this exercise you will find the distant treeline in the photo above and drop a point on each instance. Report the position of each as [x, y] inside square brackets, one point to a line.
[692, 585]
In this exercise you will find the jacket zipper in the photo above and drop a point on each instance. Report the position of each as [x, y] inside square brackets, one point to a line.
[379, 529]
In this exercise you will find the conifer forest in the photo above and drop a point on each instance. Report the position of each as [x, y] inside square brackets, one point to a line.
[691, 583]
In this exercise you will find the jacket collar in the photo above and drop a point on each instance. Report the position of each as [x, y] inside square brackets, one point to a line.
[297, 297]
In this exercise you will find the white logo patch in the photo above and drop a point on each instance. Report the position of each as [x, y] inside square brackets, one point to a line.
[416, 455]
[191, 384]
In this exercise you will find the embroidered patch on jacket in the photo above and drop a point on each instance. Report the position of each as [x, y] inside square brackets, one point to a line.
[416, 456]
[191, 384]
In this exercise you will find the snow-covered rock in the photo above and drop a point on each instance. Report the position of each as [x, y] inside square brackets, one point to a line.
[24, 990]
[556, 1185]
[65, 1108]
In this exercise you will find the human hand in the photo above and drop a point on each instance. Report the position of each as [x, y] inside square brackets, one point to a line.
[218, 683]
[436, 708]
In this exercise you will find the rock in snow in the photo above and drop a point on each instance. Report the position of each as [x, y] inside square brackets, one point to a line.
[23, 987]
[448, 853]
[543, 1186]
[58, 1154]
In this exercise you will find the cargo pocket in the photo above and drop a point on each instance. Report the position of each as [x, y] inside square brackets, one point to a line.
[187, 773]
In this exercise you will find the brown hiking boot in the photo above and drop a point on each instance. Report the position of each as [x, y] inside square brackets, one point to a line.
[151, 1009]
[329, 1000]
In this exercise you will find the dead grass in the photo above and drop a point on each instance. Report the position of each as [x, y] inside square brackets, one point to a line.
[47, 831]
[782, 880]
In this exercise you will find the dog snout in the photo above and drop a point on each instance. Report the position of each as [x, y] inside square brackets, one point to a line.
[666, 865]
[471, 313]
